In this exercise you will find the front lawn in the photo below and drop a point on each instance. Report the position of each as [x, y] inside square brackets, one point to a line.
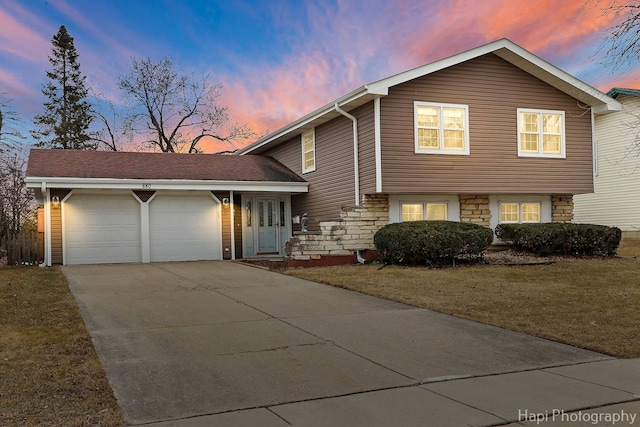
[50, 374]
[586, 302]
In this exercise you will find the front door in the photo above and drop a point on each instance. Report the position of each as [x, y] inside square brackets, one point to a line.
[267, 225]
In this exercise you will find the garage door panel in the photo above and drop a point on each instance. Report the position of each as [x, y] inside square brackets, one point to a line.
[102, 229]
[184, 228]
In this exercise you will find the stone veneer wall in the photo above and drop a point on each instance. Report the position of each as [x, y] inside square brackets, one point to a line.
[562, 208]
[343, 236]
[357, 224]
[474, 208]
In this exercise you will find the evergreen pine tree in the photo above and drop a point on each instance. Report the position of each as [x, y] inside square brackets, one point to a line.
[66, 118]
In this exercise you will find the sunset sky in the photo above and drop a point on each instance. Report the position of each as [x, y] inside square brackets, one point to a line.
[278, 60]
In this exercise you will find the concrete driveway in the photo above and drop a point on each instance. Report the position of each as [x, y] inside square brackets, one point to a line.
[182, 342]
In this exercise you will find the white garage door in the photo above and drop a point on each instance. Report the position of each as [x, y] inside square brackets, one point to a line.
[184, 228]
[101, 229]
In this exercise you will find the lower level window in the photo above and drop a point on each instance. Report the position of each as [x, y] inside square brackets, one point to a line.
[518, 213]
[424, 211]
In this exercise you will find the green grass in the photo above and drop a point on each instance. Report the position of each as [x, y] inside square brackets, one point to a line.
[50, 374]
[586, 302]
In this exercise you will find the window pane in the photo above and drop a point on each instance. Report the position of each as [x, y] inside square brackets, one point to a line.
[531, 212]
[551, 123]
[428, 138]
[309, 160]
[307, 143]
[529, 142]
[509, 212]
[454, 140]
[412, 212]
[437, 212]
[453, 118]
[529, 122]
[429, 117]
[551, 144]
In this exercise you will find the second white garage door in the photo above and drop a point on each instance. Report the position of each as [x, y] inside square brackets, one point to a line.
[184, 227]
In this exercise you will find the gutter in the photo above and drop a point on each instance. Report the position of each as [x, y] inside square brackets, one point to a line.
[356, 171]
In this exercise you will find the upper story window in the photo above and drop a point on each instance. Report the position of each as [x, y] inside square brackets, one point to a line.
[541, 133]
[308, 151]
[519, 213]
[423, 211]
[441, 128]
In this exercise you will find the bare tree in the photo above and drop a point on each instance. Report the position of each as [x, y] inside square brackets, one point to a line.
[16, 201]
[10, 135]
[177, 111]
[621, 47]
[115, 128]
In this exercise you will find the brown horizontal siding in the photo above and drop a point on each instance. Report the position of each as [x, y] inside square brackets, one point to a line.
[226, 224]
[331, 185]
[237, 216]
[366, 148]
[494, 90]
[56, 227]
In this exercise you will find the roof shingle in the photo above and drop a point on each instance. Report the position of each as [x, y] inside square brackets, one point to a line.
[140, 165]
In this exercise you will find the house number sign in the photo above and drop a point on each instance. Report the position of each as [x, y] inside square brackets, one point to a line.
[146, 186]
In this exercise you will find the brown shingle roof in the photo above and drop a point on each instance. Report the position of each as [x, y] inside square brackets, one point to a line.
[140, 165]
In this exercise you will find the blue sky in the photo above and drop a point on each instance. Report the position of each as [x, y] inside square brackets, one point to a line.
[278, 60]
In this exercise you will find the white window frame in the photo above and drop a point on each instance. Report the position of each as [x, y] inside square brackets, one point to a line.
[540, 152]
[306, 169]
[520, 220]
[441, 149]
[424, 205]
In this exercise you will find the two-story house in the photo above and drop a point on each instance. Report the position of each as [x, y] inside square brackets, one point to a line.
[491, 135]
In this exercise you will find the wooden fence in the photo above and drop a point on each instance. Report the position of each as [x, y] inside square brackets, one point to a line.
[23, 248]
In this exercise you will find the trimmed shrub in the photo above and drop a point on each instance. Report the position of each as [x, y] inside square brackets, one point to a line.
[561, 238]
[433, 243]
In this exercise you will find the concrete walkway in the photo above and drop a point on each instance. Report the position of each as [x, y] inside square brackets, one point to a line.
[222, 344]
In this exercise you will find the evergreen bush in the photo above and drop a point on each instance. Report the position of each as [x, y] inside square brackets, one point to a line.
[561, 238]
[433, 243]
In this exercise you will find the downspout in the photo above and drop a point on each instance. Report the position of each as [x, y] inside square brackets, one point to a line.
[356, 171]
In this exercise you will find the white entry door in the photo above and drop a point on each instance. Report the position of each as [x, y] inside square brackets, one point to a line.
[268, 225]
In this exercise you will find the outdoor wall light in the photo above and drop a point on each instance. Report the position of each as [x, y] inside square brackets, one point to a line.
[55, 202]
[225, 201]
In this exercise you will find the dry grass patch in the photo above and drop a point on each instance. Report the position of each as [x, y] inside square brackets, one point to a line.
[586, 302]
[50, 374]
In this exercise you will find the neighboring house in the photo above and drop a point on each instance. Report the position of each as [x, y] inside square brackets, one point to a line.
[494, 134]
[616, 200]
[491, 135]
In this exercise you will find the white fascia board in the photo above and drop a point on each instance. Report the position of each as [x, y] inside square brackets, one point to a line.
[522, 59]
[151, 185]
[432, 67]
[304, 121]
[558, 78]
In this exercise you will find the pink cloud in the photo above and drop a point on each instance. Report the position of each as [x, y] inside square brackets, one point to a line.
[18, 38]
